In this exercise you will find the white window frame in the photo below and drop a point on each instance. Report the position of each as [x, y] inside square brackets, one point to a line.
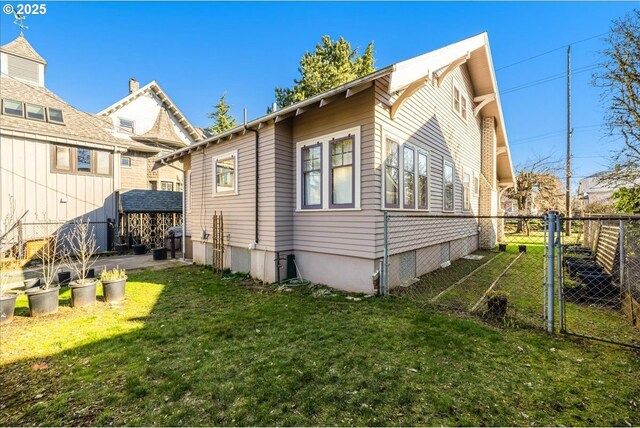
[416, 150]
[325, 141]
[125, 130]
[476, 190]
[26, 112]
[214, 162]
[465, 172]
[188, 192]
[460, 100]
[446, 162]
[122, 158]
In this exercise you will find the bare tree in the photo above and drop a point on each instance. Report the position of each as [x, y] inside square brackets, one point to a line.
[49, 254]
[620, 81]
[6, 244]
[81, 246]
[537, 186]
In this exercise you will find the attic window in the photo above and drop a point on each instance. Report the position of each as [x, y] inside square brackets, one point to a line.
[35, 112]
[126, 125]
[459, 103]
[55, 115]
[12, 108]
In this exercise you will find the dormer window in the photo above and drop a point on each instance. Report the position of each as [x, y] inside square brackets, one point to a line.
[55, 115]
[35, 112]
[126, 125]
[12, 108]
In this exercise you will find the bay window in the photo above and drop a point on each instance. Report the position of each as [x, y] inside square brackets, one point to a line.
[448, 187]
[408, 177]
[342, 177]
[312, 176]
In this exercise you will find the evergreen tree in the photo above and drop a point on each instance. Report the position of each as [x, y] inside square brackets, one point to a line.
[333, 63]
[222, 120]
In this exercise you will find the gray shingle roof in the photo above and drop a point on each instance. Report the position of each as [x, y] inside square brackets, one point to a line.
[77, 125]
[150, 201]
[21, 47]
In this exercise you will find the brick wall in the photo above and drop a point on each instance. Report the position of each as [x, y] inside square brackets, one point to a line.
[488, 184]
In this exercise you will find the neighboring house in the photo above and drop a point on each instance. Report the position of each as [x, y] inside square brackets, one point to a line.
[423, 136]
[594, 189]
[152, 126]
[55, 161]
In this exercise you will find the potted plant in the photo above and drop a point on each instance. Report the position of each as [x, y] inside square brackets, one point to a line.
[81, 247]
[113, 284]
[121, 248]
[7, 300]
[497, 304]
[43, 299]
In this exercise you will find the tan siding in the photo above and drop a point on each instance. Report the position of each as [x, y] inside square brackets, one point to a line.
[427, 121]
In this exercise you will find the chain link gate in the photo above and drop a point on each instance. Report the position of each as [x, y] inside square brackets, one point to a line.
[600, 279]
[521, 271]
[494, 267]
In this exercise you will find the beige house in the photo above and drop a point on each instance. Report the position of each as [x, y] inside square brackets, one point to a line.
[151, 125]
[56, 162]
[423, 136]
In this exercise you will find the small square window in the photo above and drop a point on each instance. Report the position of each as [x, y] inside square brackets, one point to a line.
[126, 125]
[35, 112]
[55, 115]
[103, 163]
[125, 161]
[167, 186]
[12, 108]
[84, 160]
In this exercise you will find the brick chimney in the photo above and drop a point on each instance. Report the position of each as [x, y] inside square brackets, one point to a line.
[134, 85]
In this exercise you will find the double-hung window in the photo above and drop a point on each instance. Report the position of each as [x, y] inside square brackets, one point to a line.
[423, 181]
[328, 171]
[342, 178]
[225, 177]
[459, 103]
[312, 176]
[83, 160]
[466, 191]
[392, 174]
[408, 177]
[448, 187]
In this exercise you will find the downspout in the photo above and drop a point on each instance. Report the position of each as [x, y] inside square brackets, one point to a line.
[257, 142]
[183, 241]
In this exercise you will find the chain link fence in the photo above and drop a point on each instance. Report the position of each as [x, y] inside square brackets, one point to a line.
[493, 267]
[601, 278]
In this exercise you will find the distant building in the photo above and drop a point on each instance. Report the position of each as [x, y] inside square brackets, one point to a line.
[595, 189]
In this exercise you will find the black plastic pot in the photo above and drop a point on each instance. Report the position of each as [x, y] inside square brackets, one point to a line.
[114, 290]
[31, 283]
[159, 254]
[139, 249]
[121, 248]
[83, 293]
[91, 273]
[43, 302]
[522, 248]
[502, 247]
[64, 278]
[497, 306]
[7, 306]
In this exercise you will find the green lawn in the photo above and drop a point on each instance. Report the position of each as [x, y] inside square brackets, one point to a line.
[188, 348]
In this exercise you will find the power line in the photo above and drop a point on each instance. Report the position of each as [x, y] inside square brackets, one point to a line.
[547, 79]
[550, 134]
[548, 52]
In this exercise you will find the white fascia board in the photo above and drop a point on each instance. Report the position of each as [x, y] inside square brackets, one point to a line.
[407, 72]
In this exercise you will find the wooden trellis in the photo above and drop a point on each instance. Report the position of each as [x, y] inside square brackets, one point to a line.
[217, 261]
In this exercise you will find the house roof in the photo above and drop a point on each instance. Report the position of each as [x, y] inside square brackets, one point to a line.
[404, 77]
[162, 131]
[20, 47]
[150, 201]
[155, 88]
[77, 125]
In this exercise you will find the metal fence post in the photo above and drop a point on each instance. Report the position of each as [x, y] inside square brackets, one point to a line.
[385, 283]
[560, 284]
[551, 271]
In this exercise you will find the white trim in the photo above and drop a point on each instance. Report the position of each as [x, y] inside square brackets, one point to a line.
[415, 182]
[188, 191]
[453, 173]
[464, 172]
[457, 87]
[427, 153]
[324, 141]
[123, 158]
[228, 155]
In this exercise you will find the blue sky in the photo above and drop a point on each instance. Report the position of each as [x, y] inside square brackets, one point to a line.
[198, 50]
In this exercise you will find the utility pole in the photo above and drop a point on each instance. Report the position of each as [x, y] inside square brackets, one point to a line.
[569, 132]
